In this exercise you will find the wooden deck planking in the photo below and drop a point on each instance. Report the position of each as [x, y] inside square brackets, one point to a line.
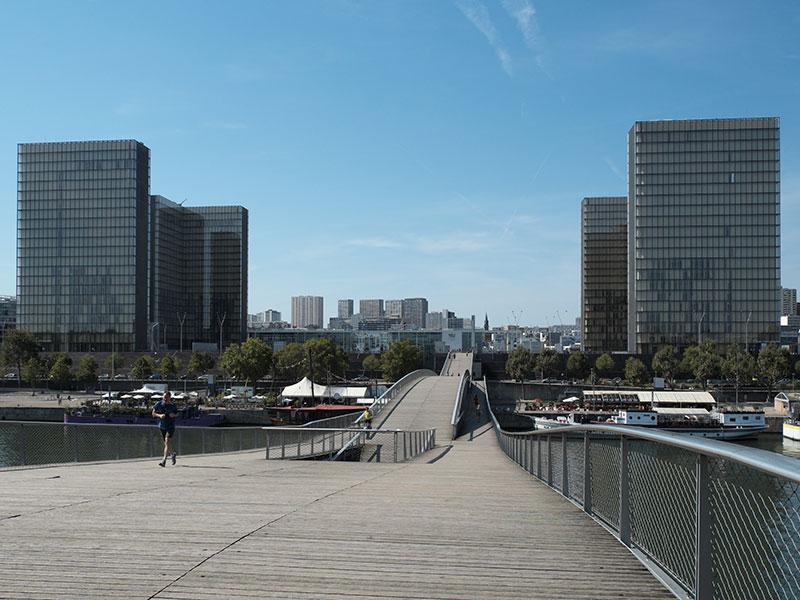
[470, 525]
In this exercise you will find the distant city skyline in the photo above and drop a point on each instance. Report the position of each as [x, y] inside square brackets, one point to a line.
[401, 149]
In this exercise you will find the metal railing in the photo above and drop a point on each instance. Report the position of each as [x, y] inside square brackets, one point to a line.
[399, 388]
[458, 407]
[720, 521]
[363, 444]
[24, 444]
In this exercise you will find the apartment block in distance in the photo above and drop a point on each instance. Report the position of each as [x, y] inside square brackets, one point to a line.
[371, 308]
[703, 232]
[604, 274]
[307, 311]
[102, 265]
[345, 308]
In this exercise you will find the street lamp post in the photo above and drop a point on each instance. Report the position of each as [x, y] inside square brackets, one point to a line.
[153, 339]
[181, 318]
[221, 321]
[699, 323]
[746, 327]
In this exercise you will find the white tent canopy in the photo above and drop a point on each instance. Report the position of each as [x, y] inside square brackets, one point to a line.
[302, 389]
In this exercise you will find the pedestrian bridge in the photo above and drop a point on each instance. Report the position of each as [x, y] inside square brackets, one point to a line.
[483, 514]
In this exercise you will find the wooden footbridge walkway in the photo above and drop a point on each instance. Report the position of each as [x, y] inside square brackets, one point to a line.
[462, 522]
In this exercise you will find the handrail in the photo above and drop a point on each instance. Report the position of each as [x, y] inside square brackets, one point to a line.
[394, 390]
[458, 411]
[711, 518]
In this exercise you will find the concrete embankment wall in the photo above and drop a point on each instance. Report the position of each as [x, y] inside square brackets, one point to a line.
[24, 413]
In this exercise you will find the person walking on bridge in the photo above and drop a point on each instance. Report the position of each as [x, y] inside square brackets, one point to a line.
[368, 418]
[165, 410]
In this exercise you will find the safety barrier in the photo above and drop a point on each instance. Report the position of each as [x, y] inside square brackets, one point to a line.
[24, 444]
[720, 521]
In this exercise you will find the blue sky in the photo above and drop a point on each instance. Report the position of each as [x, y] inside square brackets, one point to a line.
[396, 149]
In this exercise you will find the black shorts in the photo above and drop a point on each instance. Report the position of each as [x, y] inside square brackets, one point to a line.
[167, 433]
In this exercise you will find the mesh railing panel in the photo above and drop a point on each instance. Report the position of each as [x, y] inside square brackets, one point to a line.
[662, 485]
[756, 533]
[365, 445]
[604, 460]
[575, 449]
[32, 444]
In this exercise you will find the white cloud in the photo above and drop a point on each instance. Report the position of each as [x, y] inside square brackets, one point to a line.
[525, 15]
[614, 168]
[478, 14]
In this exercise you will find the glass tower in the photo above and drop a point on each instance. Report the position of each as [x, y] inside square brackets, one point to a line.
[604, 274]
[82, 244]
[704, 232]
[199, 274]
[104, 266]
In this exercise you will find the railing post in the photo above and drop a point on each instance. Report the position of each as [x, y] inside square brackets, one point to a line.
[267, 432]
[703, 568]
[395, 446]
[539, 456]
[530, 454]
[283, 444]
[312, 444]
[22, 444]
[564, 466]
[624, 498]
[587, 475]
[549, 460]
[299, 437]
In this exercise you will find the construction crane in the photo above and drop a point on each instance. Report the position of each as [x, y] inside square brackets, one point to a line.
[516, 318]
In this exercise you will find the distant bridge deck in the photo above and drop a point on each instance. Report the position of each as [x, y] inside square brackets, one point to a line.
[463, 522]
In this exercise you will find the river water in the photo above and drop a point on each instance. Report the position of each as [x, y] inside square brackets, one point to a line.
[774, 442]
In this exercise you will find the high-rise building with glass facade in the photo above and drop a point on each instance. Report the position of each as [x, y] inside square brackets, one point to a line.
[198, 273]
[704, 232]
[102, 265]
[604, 274]
[82, 244]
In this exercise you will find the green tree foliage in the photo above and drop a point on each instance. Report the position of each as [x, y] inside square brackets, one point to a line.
[665, 363]
[578, 364]
[248, 361]
[142, 368]
[371, 364]
[61, 373]
[34, 371]
[51, 359]
[604, 364]
[797, 367]
[87, 370]
[400, 359]
[521, 364]
[114, 361]
[19, 346]
[772, 365]
[290, 362]
[690, 356]
[170, 366]
[201, 362]
[738, 366]
[706, 363]
[635, 371]
[326, 359]
[547, 362]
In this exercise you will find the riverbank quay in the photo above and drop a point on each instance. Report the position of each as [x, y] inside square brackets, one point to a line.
[462, 523]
